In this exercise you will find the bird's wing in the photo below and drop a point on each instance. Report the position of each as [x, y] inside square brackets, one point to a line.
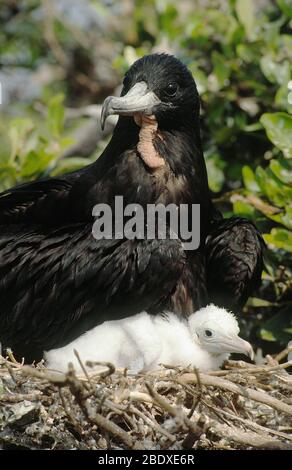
[234, 255]
[56, 284]
[37, 201]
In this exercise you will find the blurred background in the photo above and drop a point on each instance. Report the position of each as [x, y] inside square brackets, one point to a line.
[59, 59]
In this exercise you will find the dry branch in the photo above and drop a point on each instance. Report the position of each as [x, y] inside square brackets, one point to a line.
[166, 409]
[255, 395]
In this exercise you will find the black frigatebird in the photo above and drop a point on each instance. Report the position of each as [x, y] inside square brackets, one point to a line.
[57, 280]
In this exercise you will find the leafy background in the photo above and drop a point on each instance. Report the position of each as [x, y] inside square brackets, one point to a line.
[60, 59]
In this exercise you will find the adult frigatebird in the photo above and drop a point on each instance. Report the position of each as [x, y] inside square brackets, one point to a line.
[57, 280]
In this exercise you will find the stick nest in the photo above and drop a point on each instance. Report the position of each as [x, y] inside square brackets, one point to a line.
[244, 406]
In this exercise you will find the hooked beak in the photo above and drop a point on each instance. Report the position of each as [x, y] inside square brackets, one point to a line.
[138, 100]
[235, 344]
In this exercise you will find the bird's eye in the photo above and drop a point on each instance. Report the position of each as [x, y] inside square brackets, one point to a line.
[171, 89]
[208, 333]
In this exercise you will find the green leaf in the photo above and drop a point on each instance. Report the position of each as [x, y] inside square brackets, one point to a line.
[286, 219]
[286, 7]
[283, 98]
[259, 303]
[249, 179]
[283, 218]
[199, 76]
[272, 187]
[216, 176]
[247, 53]
[246, 15]
[267, 335]
[256, 126]
[282, 169]
[56, 115]
[69, 164]
[35, 163]
[275, 72]
[18, 131]
[280, 238]
[244, 209]
[8, 170]
[221, 69]
[279, 130]
[277, 328]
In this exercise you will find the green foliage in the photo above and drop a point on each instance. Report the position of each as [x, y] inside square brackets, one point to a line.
[279, 130]
[240, 57]
[34, 149]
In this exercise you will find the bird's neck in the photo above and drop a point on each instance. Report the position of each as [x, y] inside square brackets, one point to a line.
[153, 162]
[219, 358]
[179, 143]
[125, 137]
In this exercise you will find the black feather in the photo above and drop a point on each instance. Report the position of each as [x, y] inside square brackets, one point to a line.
[57, 281]
[234, 252]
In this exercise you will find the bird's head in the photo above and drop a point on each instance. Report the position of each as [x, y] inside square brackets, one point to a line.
[159, 85]
[216, 330]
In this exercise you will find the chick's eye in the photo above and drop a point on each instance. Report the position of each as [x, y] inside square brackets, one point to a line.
[171, 89]
[208, 333]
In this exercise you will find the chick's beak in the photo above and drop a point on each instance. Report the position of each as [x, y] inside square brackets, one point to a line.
[235, 344]
[138, 100]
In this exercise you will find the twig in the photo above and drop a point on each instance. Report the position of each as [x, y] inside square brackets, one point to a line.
[81, 395]
[111, 368]
[252, 424]
[255, 395]
[54, 377]
[11, 356]
[18, 397]
[196, 402]
[70, 415]
[135, 396]
[83, 369]
[250, 439]
[153, 424]
[252, 370]
[223, 430]
[174, 412]
[116, 431]
[283, 354]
